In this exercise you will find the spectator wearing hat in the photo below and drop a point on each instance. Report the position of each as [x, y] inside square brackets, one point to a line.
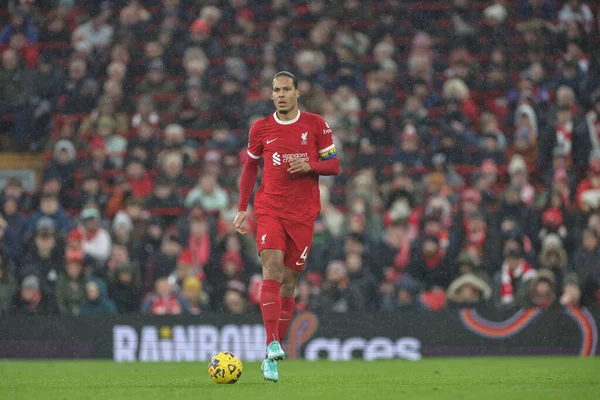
[200, 36]
[518, 176]
[96, 303]
[124, 288]
[402, 294]
[30, 300]
[96, 240]
[428, 264]
[553, 257]
[468, 291]
[151, 240]
[191, 291]
[339, 295]
[525, 136]
[164, 300]
[156, 80]
[45, 256]
[122, 227]
[7, 283]
[14, 230]
[50, 208]
[70, 287]
[62, 164]
[98, 160]
[562, 133]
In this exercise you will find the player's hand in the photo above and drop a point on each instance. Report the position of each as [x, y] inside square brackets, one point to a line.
[238, 222]
[298, 165]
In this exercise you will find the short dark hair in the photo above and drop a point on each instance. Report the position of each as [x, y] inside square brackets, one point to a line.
[289, 75]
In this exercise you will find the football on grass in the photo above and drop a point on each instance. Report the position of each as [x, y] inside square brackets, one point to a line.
[225, 367]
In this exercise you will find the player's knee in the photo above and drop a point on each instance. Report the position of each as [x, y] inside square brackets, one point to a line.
[273, 269]
[287, 288]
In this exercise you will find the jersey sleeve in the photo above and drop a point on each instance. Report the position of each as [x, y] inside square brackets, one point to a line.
[255, 145]
[325, 145]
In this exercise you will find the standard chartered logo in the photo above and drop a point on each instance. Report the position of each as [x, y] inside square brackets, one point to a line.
[276, 159]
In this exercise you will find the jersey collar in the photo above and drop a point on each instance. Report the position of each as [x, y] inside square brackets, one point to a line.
[286, 122]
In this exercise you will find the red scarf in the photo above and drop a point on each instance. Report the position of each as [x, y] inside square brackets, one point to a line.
[564, 137]
[166, 306]
[403, 255]
[432, 262]
[200, 249]
[524, 271]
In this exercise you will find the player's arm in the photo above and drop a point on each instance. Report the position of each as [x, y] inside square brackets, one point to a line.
[248, 179]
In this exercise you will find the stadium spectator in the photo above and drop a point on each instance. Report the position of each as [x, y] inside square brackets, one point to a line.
[96, 303]
[96, 240]
[576, 11]
[585, 264]
[95, 35]
[164, 300]
[468, 291]
[49, 208]
[29, 300]
[70, 286]
[210, 195]
[14, 230]
[339, 295]
[425, 114]
[124, 288]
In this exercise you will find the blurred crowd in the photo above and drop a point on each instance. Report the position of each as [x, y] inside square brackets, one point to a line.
[468, 130]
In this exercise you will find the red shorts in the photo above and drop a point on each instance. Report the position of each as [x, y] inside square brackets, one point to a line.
[293, 238]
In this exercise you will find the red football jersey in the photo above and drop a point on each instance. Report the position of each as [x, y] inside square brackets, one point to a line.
[286, 195]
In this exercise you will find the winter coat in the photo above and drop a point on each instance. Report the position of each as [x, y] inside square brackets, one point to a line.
[70, 295]
[100, 307]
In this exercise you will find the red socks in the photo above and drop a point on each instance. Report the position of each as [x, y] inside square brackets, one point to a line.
[285, 317]
[270, 305]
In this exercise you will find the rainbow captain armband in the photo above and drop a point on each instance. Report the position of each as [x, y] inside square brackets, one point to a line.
[328, 153]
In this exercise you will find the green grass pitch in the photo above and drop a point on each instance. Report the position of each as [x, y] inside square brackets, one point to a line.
[474, 378]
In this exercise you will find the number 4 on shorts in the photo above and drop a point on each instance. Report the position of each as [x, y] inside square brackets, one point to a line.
[303, 256]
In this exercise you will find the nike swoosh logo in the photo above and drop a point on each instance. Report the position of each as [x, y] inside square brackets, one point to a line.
[299, 263]
[271, 141]
[267, 304]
